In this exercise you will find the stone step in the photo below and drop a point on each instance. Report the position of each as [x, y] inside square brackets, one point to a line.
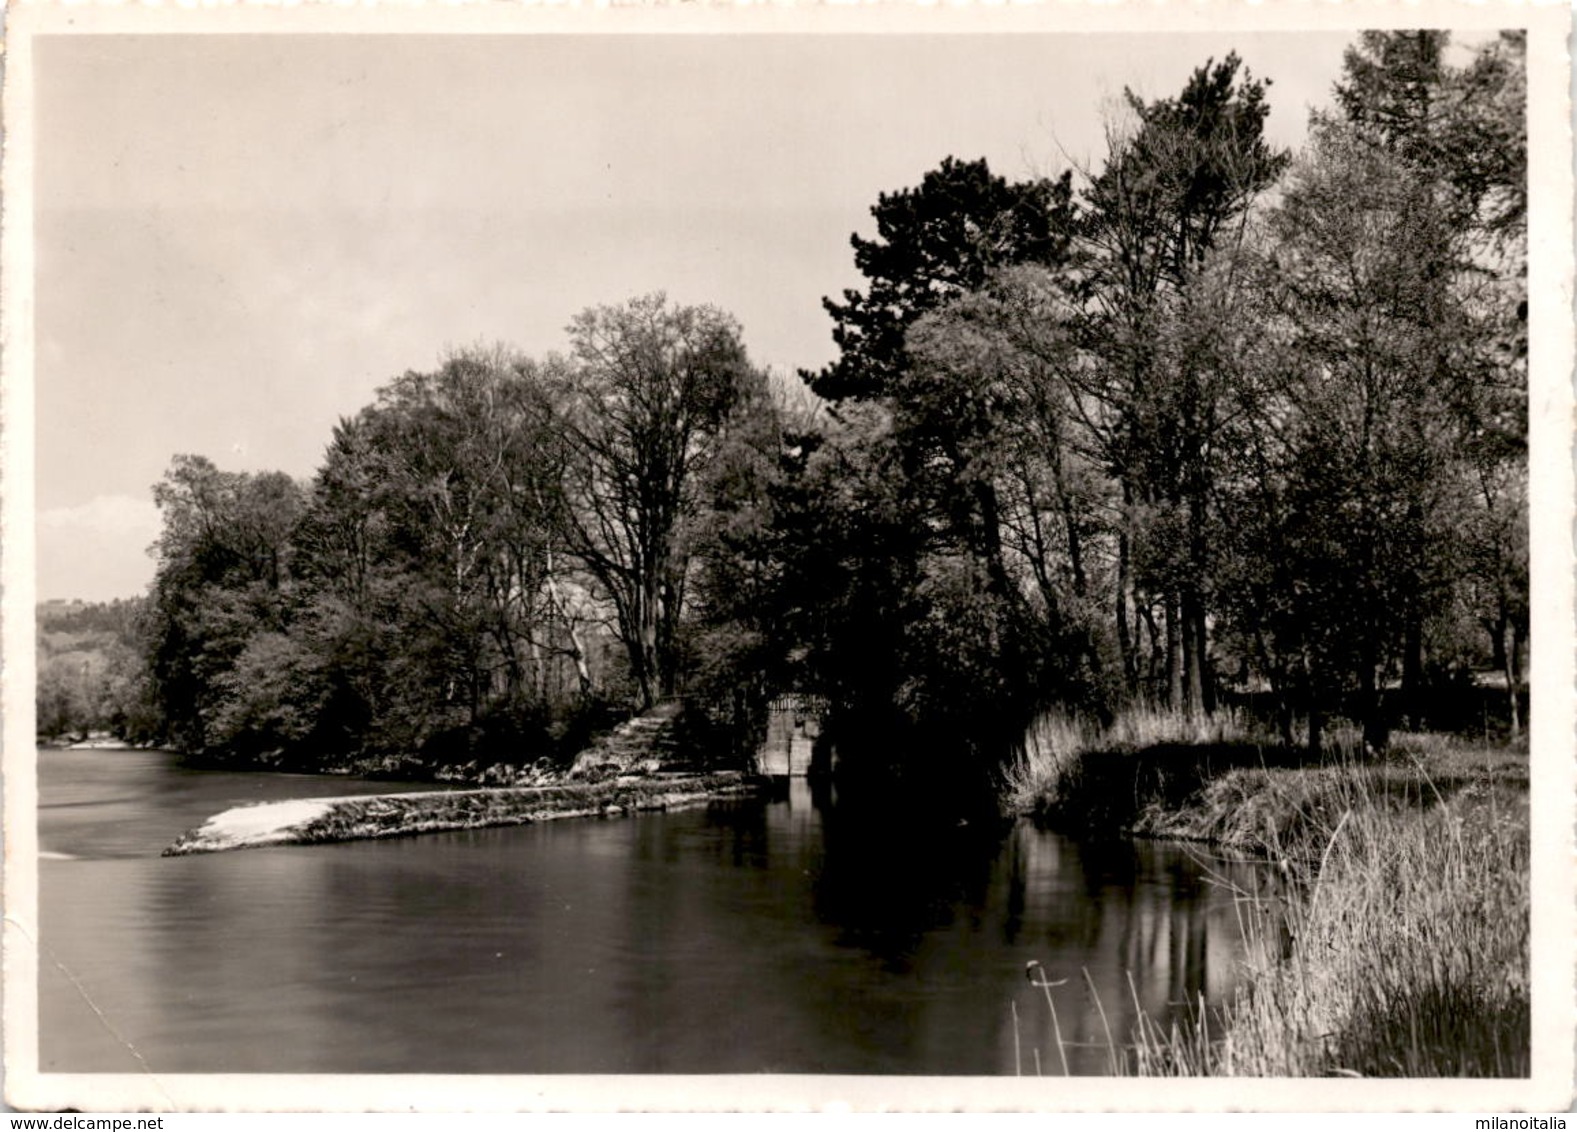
[642, 743]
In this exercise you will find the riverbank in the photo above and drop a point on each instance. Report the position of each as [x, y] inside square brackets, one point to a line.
[1390, 937]
[315, 821]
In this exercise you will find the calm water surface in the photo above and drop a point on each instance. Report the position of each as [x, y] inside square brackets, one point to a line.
[780, 936]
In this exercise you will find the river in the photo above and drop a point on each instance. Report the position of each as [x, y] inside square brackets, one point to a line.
[764, 936]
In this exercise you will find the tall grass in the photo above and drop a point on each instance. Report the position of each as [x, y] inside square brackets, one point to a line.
[1403, 951]
[1391, 936]
[1055, 743]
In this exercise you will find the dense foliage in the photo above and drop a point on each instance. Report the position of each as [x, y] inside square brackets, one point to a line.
[492, 561]
[1211, 422]
[90, 675]
[1253, 428]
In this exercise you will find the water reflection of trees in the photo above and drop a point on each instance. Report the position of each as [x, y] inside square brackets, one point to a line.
[1153, 929]
[930, 925]
[888, 880]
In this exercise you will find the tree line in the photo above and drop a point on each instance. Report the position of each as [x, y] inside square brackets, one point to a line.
[494, 557]
[1211, 422]
[1223, 417]
[90, 678]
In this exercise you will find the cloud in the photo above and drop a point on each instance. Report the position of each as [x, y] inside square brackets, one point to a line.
[96, 550]
[120, 514]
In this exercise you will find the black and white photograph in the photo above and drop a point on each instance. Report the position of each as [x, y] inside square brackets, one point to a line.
[917, 558]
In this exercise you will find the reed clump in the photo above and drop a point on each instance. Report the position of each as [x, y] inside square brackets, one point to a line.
[1402, 952]
[1076, 772]
[1390, 936]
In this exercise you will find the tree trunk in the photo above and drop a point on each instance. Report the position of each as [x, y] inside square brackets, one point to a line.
[647, 676]
[1283, 712]
[1174, 667]
[1070, 524]
[1376, 730]
[1314, 694]
[1148, 615]
[577, 646]
[1207, 686]
[577, 652]
[1509, 669]
[1413, 667]
[1519, 638]
[989, 539]
[1497, 637]
[1125, 641]
[1200, 690]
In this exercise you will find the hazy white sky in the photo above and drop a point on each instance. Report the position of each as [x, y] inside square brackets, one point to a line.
[240, 238]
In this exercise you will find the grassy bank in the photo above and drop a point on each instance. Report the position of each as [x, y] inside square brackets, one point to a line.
[1391, 935]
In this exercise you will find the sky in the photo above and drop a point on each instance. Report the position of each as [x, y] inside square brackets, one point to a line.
[238, 239]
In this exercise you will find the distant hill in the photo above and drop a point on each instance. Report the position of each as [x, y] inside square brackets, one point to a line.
[90, 670]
